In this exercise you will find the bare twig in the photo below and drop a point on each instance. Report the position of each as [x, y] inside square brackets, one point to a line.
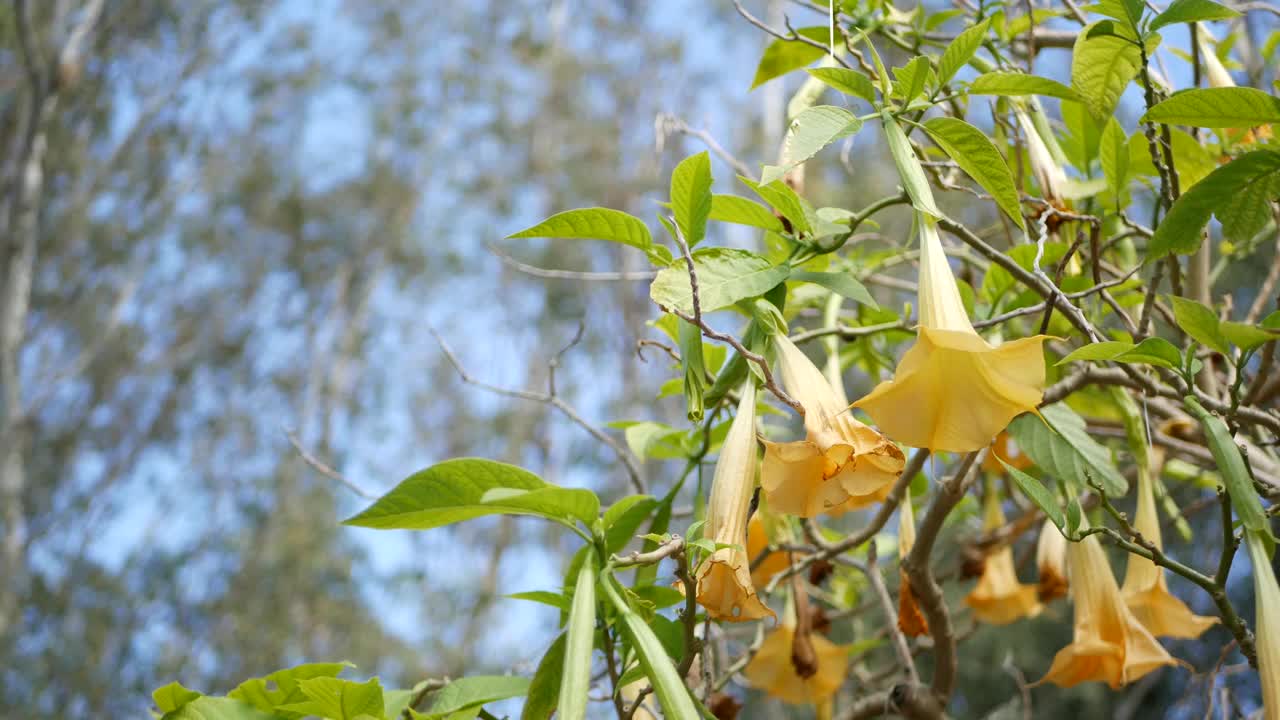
[324, 469]
[567, 274]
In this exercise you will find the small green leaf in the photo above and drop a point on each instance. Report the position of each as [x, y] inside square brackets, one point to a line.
[741, 211]
[783, 199]
[961, 50]
[544, 690]
[1016, 84]
[1037, 493]
[810, 132]
[976, 155]
[846, 81]
[1061, 446]
[338, 699]
[725, 276]
[469, 692]
[592, 224]
[1247, 337]
[282, 687]
[1189, 11]
[911, 79]
[783, 56]
[543, 597]
[1226, 107]
[445, 493]
[691, 196]
[220, 708]
[1153, 351]
[1232, 467]
[909, 169]
[1235, 192]
[1113, 151]
[624, 517]
[840, 283]
[1097, 351]
[1101, 68]
[173, 696]
[1200, 322]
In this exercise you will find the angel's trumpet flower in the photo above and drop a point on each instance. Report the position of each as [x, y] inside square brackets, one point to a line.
[724, 577]
[1267, 624]
[797, 665]
[841, 464]
[757, 542]
[910, 620]
[1051, 562]
[999, 598]
[1048, 173]
[952, 390]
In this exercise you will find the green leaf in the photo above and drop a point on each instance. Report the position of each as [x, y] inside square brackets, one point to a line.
[1193, 161]
[782, 198]
[282, 687]
[783, 56]
[1189, 11]
[1101, 68]
[1226, 107]
[911, 78]
[449, 492]
[1037, 493]
[840, 283]
[173, 696]
[909, 169]
[623, 519]
[1061, 446]
[1016, 84]
[219, 708]
[976, 155]
[1232, 468]
[470, 692]
[846, 81]
[554, 503]
[961, 50]
[1247, 337]
[1230, 192]
[725, 276]
[1153, 351]
[1200, 322]
[592, 224]
[741, 211]
[1097, 351]
[691, 196]
[544, 690]
[395, 702]
[337, 699]
[575, 680]
[1113, 151]
[810, 132]
[543, 597]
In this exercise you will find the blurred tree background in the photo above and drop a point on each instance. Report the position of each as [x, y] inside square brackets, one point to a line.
[230, 230]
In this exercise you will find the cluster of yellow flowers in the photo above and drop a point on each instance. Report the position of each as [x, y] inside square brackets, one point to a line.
[955, 392]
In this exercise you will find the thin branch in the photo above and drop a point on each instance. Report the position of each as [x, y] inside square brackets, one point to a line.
[872, 571]
[324, 469]
[667, 123]
[568, 274]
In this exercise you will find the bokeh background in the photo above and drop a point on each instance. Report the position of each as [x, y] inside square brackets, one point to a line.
[254, 216]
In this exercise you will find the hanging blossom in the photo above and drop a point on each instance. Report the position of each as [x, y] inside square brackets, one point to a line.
[757, 542]
[1145, 588]
[796, 664]
[999, 598]
[724, 577]
[1267, 623]
[1051, 563]
[953, 390]
[841, 464]
[911, 621]
[1109, 644]
[1049, 175]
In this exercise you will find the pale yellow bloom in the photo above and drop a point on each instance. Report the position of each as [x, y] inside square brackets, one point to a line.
[1048, 173]
[1109, 645]
[773, 671]
[757, 542]
[1051, 562]
[841, 464]
[999, 598]
[911, 621]
[1145, 589]
[724, 578]
[952, 390]
[1266, 630]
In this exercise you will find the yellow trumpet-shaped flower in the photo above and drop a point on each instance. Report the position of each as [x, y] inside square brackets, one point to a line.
[1004, 448]
[1145, 588]
[1048, 173]
[952, 390]
[910, 620]
[1051, 562]
[724, 578]
[1109, 645]
[1267, 623]
[841, 464]
[999, 598]
[757, 542]
[774, 670]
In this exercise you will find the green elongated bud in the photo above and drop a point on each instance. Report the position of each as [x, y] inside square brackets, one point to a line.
[672, 694]
[694, 369]
[909, 169]
[576, 678]
[1235, 475]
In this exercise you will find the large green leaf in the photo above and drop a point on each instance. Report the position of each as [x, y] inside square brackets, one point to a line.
[1101, 68]
[840, 283]
[592, 224]
[450, 492]
[783, 199]
[810, 132]
[1060, 444]
[1237, 193]
[960, 51]
[556, 503]
[471, 692]
[283, 686]
[1037, 492]
[1152, 351]
[911, 79]
[337, 699]
[1015, 84]
[691, 196]
[974, 152]
[1200, 322]
[741, 211]
[846, 81]
[1226, 107]
[1189, 11]
[544, 690]
[783, 56]
[725, 276]
[218, 708]
[173, 696]
[1113, 152]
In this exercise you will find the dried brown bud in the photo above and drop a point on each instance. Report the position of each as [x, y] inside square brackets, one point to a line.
[803, 657]
[724, 707]
[973, 561]
[818, 620]
[819, 571]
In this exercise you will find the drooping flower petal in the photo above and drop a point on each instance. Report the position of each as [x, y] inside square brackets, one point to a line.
[999, 598]
[757, 542]
[1048, 173]
[840, 465]
[1266, 624]
[1145, 586]
[1004, 448]
[773, 670]
[911, 621]
[952, 390]
[1110, 645]
[1051, 562]
[724, 578]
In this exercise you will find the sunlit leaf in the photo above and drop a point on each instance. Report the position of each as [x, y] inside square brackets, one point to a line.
[592, 224]
[974, 152]
[725, 276]
[1224, 107]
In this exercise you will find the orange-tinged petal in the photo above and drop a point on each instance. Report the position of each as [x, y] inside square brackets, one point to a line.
[795, 481]
[772, 670]
[1004, 448]
[725, 588]
[757, 541]
[1051, 563]
[999, 598]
